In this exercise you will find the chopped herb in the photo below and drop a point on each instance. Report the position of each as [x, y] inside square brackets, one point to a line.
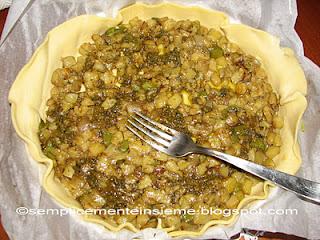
[173, 57]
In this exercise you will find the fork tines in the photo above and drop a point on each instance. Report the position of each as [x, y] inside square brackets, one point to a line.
[159, 133]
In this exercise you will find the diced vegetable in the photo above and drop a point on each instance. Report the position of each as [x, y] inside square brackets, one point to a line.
[278, 122]
[148, 85]
[187, 217]
[224, 171]
[230, 184]
[247, 186]
[240, 130]
[175, 100]
[259, 157]
[71, 98]
[68, 171]
[145, 182]
[186, 99]
[221, 62]
[96, 148]
[124, 146]
[161, 49]
[272, 151]
[109, 103]
[216, 52]
[115, 30]
[232, 202]
[107, 137]
[258, 143]
[68, 61]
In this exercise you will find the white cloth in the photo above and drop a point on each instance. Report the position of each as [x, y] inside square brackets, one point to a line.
[16, 9]
[5, 4]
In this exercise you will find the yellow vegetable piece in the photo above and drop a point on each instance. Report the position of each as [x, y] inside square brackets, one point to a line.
[232, 202]
[186, 99]
[68, 171]
[96, 148]
[175, 100]
[230, 184]
[218, 87]
[232, 86]
[161, 49]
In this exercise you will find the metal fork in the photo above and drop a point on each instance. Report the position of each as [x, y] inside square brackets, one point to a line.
[178, 144]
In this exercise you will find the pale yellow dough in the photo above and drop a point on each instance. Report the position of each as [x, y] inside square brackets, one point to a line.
[31, 89]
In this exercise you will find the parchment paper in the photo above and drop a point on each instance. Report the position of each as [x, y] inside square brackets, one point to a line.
[19, 175]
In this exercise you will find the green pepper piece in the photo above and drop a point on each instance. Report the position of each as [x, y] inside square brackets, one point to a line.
[258, 143]
[240, 130]
[114, 30]
[110, 31]
[135, 87]
[124, 146]
[216, 52]
[107, 137]
[148, 86]
[50, 151]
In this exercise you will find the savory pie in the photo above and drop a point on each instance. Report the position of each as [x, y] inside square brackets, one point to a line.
[228, 86]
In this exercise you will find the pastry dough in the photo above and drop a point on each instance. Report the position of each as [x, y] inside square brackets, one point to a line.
[31, 89]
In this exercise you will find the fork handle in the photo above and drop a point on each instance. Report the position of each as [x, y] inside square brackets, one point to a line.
[300, 186]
